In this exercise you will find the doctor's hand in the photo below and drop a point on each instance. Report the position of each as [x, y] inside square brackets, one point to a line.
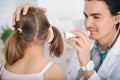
[82, 45]
[24, 7]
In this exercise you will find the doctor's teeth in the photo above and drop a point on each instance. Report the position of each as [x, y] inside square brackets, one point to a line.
[88, 33]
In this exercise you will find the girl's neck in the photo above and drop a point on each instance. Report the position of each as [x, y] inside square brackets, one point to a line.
[34, 51]
[34, 58]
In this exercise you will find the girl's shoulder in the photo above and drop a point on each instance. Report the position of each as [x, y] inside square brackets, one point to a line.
[55, 72]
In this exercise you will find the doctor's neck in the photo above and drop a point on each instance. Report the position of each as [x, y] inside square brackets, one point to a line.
[109, 42]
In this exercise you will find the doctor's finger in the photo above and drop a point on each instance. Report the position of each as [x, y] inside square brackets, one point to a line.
[14, 19]
[18, 12]
[79, 42]
[16, 15]
[82, 37]
[44, 10]
[73, 44]
[25, 9]
[27, 6]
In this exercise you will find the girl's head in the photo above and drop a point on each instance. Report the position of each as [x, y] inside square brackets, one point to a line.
[32, 28]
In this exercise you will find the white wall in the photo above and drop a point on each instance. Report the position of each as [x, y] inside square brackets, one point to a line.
[7, 7]
[63, 9]
[6, 10]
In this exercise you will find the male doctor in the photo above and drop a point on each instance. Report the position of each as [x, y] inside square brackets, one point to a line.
[102, 62]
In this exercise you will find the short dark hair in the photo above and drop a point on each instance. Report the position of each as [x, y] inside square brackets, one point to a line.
[114, 7]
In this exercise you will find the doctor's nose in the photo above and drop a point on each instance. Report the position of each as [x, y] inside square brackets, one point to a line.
[89, 22]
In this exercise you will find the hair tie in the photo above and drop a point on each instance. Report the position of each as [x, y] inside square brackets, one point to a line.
[20, 30]
[51, 34]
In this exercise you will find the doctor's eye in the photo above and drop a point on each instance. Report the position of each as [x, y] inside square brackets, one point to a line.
[96, 17]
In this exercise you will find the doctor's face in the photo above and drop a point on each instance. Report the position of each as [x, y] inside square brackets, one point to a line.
[98, 19]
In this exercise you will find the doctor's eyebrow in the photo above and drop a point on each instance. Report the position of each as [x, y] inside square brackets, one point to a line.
[92, 14]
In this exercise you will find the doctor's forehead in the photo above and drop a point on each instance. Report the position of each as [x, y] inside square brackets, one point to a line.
[95, 7]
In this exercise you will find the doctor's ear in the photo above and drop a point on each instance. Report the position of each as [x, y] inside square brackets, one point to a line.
[118, 15]
[117, 19]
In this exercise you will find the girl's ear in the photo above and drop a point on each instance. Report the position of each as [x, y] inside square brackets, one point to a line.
[48, 36]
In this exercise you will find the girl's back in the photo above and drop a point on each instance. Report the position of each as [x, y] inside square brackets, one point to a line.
[24, 49]
[22, 71]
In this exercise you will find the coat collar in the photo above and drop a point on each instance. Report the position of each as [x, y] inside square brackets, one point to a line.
[112, 57]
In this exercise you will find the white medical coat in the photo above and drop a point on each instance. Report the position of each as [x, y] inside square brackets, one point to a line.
[109, 69]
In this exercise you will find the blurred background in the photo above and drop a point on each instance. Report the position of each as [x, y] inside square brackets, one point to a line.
[61, 11]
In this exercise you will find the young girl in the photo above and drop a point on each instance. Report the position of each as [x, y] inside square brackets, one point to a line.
[24, 49]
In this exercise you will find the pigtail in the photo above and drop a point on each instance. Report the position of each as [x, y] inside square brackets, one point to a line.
[56, 45]
[14, 48]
